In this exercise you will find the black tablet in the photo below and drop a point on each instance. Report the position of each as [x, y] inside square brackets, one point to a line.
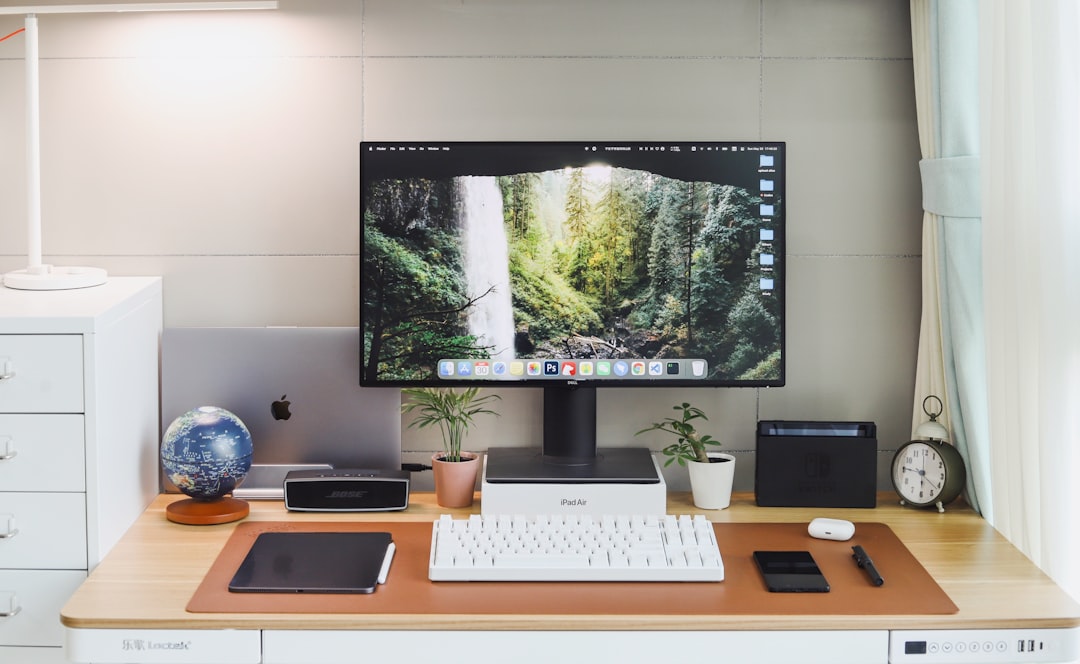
[790, 572]
[314, 562]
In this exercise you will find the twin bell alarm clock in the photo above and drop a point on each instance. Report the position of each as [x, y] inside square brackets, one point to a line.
[928, 471]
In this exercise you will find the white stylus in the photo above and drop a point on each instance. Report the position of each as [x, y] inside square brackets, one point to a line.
[385, 569]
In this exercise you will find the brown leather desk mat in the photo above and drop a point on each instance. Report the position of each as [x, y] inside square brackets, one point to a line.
[909, 589]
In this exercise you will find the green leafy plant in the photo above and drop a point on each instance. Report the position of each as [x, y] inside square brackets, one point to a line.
[691, 445]
[452, 411]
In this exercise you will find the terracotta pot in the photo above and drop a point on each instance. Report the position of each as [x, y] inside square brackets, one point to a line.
[455, 481]
[711, 482]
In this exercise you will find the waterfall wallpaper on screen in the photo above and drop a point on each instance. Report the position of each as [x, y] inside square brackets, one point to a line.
[588, 261]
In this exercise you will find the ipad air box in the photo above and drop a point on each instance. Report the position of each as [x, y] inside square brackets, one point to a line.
[347, 490]
[816, 464]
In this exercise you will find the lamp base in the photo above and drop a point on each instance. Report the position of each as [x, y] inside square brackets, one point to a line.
[51, 277]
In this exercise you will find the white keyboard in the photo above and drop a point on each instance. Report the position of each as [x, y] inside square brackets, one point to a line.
[574, 548]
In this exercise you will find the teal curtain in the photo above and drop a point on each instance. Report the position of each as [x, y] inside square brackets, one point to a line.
[952, 363]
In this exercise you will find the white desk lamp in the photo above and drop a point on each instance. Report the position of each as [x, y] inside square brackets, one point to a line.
[37, 275]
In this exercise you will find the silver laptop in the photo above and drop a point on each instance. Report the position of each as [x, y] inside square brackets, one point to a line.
[297, 389]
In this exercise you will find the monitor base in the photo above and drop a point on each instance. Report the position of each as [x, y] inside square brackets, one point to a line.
[617, 481]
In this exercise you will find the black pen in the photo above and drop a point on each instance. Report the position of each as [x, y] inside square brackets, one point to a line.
[862, 559]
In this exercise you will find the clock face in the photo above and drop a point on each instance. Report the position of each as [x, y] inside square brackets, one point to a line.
[919, 473]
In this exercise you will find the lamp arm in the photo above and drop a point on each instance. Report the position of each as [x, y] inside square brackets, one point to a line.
[37, 275]
[33, 145]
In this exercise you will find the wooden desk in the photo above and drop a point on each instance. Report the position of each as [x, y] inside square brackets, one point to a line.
[132, 607]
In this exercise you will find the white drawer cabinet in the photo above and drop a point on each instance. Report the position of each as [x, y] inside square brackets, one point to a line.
[38, 596]
[43, 373]
[42, 530]
[32, 655]
[42, 452]
[78, 444]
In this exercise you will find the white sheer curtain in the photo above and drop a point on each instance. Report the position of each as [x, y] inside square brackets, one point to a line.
[1029, 80]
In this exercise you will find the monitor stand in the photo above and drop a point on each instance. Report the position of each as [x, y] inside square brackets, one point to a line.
[569, 474]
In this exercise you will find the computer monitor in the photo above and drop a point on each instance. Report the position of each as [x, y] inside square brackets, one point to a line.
[572, 265]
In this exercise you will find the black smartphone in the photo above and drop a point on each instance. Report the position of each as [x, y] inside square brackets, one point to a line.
[790, 572]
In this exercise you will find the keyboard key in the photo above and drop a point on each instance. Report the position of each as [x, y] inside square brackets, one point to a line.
[532, 560]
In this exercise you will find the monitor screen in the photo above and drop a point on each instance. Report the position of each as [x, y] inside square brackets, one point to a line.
[606, 263]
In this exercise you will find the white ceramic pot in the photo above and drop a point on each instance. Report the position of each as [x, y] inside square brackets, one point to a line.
[711, 482]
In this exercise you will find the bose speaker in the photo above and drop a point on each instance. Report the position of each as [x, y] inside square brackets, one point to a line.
[347, 490]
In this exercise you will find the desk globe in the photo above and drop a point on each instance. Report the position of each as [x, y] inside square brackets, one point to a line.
[206, 453]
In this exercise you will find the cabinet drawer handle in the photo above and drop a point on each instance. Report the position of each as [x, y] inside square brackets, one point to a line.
[13, 608]
[7, 522]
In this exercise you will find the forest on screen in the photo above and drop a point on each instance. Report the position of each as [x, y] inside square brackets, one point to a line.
[603, 263]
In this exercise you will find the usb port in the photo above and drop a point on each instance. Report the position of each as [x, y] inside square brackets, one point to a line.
[1020, 646]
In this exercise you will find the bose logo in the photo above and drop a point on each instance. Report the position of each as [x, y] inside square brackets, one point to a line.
[347, 494]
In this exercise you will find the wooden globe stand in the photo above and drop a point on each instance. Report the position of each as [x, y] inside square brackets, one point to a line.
[207, 512]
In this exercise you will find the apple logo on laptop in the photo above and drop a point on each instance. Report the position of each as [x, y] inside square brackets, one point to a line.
[280, 408]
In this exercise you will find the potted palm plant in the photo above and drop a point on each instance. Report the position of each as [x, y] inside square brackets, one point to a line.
[711, 473]
[453, 411]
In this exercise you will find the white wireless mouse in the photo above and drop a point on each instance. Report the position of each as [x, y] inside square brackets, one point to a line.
[831, 529]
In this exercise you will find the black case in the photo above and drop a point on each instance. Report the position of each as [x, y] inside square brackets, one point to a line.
[816, 464]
